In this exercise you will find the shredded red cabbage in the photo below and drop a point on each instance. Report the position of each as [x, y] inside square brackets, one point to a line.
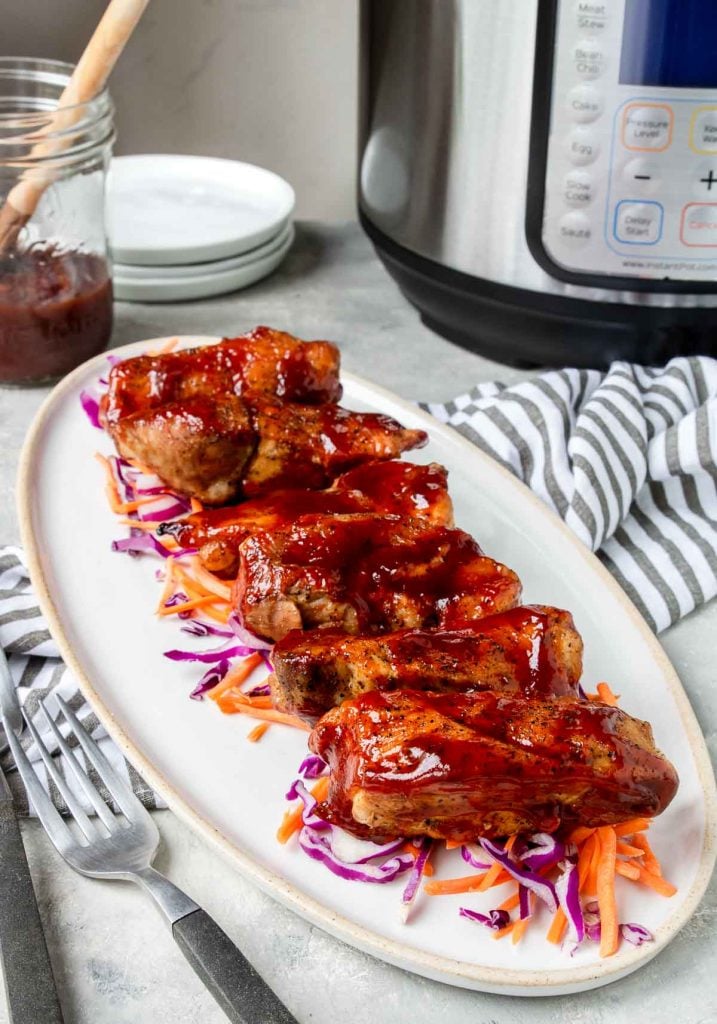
[197, 627]
[542, 888]
[317, 845]
[524, 901]
[468, 853]
[262, 690]
[140, 544]
[350, 850]
[414, 879]
[544, 851]
[566, 889]
[209, 656]
[636, 934]
[298, 791]
[177, 508]
[591, 917]
[495, 919]
[313, 767]
[91, 408]
[209, 680]
[243, 634]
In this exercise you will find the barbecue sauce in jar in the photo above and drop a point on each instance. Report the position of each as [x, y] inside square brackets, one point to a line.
[55, 312]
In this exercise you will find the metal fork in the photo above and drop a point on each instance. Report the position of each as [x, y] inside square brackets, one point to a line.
[125, 850]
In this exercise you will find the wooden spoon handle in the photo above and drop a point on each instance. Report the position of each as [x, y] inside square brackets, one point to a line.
[89, 77]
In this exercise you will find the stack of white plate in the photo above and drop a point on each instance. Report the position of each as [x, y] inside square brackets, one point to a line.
[186, 227]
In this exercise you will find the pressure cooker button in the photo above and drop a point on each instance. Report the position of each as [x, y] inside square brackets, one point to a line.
[584, 103]
[589, 59]
[575, 229]
[591, 17]
[704, 182]
[703, 130]
[638, 223]
[578, 188]
[647, 126]
[699, 225]
[642, 176]
[582, 147]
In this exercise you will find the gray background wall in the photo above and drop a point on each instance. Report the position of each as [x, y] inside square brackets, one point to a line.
[272, 82]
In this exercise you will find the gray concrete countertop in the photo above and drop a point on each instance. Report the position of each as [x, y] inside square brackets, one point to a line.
[115, 962]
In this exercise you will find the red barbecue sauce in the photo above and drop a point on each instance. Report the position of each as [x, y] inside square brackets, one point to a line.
[55, 312]
[457, 760]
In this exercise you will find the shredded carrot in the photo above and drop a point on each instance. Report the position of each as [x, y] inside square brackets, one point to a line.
[162, 350]
[511, 903]
[628, 828]
[266, 714]
[197, 506]
[168, 583]
[452, 845]
[137, 524]
[293, 819]
[649, 861]
[519, 930]
[235, 676]
[110, 483]
[557, 927]
[220, 615]
[235, 700]
[657, 883]
[627, 870]
[257, 732]
[626, 850]
[502, 932]
[186, 606]
[609, 936]
[428, 869]
[491, 876]
[448, 886]
[580, 834]
[208, 580]
[586, 858]
[606, 695]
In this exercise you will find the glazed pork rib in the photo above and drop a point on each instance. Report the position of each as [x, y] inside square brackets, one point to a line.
[367, 572]
[264, 361]
[244, 417]
[219, 450]
[460, 766]
[394, 487]
[532, 650]
[309, 446]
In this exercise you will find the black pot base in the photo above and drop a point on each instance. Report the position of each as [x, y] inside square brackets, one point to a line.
[528, 329]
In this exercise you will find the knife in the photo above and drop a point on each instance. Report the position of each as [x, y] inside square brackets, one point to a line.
[29, 982]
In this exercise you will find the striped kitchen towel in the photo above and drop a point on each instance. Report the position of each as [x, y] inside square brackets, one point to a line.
[39, 673]
[627, 458]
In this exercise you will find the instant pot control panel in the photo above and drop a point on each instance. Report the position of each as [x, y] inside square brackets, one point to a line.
[629, 157]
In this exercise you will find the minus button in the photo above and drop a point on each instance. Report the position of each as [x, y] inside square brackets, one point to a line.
[641, 175]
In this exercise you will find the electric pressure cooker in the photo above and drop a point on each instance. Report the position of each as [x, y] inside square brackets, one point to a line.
[540, 176]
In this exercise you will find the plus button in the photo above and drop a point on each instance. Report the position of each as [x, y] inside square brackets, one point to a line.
[709, 181]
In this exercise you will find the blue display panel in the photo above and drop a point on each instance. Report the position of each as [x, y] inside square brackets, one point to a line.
[670, 42]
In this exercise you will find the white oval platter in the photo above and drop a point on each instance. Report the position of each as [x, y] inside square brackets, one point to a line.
[100, 606]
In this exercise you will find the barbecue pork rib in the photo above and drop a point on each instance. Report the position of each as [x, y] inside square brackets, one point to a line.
[394, 487]
[367, 572]
[218, 450]
[459, 766]
[532, 650]
[264, 361]
[308, 446]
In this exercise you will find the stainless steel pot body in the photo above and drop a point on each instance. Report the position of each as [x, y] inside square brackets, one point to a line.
[447, 111]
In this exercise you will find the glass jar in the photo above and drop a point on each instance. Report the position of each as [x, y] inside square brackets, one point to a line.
[55, 281]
